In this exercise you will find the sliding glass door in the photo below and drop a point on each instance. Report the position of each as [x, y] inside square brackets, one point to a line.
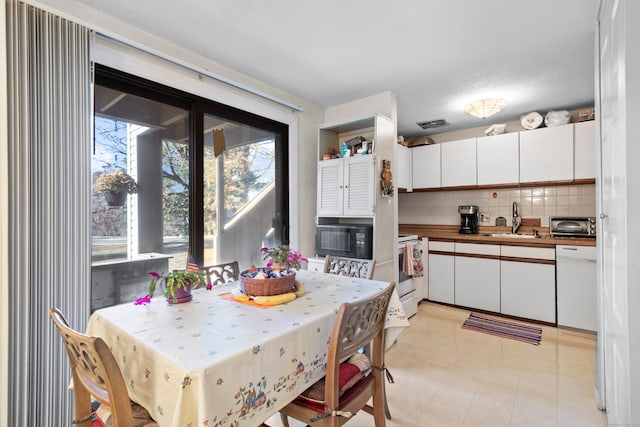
[239, 191]
[176, 176]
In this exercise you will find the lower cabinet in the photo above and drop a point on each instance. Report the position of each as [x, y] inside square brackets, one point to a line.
[477, 283]
[441, 277]
[528, 290]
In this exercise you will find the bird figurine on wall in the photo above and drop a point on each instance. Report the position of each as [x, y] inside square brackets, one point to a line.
[386, 179]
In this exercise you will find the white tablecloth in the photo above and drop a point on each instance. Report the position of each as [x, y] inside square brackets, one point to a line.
[214, 362]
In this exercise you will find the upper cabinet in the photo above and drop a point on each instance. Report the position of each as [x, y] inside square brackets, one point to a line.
[458, 160]
[345, 187]
[553, 154]
[498, 159]
[403, 168]
[546, 154]
[426, 166]
[584, 139]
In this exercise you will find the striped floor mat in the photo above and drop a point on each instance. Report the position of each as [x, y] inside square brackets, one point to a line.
[502, 328]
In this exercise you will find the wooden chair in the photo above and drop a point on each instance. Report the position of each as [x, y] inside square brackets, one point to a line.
[222, 273]
[358, 325]
[353, 267]
[96, 373]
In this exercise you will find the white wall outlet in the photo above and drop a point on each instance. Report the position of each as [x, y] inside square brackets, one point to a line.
[485, 218]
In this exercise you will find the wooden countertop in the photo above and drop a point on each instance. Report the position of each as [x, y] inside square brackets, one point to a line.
[450, 233]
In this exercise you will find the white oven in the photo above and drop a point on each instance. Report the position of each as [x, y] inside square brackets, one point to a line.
[409, 272]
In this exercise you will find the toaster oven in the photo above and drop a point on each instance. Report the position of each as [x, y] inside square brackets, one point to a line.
[572, 226]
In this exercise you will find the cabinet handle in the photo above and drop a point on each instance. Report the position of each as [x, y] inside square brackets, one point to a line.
[603, 216]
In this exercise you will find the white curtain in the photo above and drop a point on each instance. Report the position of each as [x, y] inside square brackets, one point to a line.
[49, 253]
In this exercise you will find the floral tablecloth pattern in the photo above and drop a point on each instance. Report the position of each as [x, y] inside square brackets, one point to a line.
[214, 362]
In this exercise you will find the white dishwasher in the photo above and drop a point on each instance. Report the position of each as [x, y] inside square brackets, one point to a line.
[576, 286]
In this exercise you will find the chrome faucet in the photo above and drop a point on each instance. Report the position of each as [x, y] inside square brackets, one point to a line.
[515, 220]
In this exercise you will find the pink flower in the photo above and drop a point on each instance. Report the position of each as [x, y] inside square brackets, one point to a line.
[269, 264]
[263, 250]
[209, 286]
[144, 300]
[155, 275]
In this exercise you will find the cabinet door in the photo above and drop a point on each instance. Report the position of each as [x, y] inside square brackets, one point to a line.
[546, 154]
[329, 197]
[403, 169]
[585, 149]
[441, 278]
[458, 159]
[359, 193]
[528, 290]
[477, 283]
[498, 159]
[426, 166]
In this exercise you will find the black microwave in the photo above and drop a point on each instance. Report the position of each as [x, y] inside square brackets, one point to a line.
[348, 240]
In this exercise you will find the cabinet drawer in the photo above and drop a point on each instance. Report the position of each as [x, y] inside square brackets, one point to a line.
[528, 252]
[477, 248]
[442, 246]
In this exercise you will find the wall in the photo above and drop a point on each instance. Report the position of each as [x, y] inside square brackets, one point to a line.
[441, 207]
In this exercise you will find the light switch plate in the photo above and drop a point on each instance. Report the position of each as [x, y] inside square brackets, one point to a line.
[485, 218]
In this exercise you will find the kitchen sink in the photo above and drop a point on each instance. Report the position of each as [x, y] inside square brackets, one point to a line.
[511, 235]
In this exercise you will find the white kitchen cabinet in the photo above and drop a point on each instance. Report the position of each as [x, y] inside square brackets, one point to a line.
[426, 166]
[348, 188]
[499, 159]
[477, 277]
[404, 178]
[441, 272]
[345, 187]
[546, 154]
[528, 290]
[477, 283]
[584, 135]
[458, 160]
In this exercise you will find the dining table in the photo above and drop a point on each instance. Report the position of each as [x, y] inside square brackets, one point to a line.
[215, 361]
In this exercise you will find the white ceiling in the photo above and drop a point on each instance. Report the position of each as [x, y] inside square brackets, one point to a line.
[436, 55]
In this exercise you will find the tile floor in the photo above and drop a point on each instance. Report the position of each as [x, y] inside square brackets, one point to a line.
[449, 376]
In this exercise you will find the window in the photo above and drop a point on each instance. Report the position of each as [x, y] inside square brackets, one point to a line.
[221, 204]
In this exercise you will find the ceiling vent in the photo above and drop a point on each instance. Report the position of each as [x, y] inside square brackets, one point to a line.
[433, 124]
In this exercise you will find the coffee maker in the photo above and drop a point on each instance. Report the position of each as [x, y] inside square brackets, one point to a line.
[468, 219]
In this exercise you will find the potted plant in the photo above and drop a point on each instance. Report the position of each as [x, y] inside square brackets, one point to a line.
[178, 285]
[282, 257]
[115, 186]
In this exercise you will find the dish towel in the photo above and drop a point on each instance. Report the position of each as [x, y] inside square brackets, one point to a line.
[408, 259]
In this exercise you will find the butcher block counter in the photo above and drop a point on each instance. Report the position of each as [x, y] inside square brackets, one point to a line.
[450, 233]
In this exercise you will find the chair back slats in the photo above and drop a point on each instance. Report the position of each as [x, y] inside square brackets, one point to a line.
[358, 323]
[352, 267]
[222, 273]
[95, 373]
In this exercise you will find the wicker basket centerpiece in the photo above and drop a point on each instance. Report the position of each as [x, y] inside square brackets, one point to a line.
[267, 281]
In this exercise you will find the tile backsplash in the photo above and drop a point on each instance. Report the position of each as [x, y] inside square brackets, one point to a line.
[441, 207]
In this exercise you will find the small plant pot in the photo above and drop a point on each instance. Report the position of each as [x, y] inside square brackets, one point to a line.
[115, 199]
[181, 296]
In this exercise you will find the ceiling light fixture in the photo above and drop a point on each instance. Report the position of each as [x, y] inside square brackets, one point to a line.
[484, 108]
